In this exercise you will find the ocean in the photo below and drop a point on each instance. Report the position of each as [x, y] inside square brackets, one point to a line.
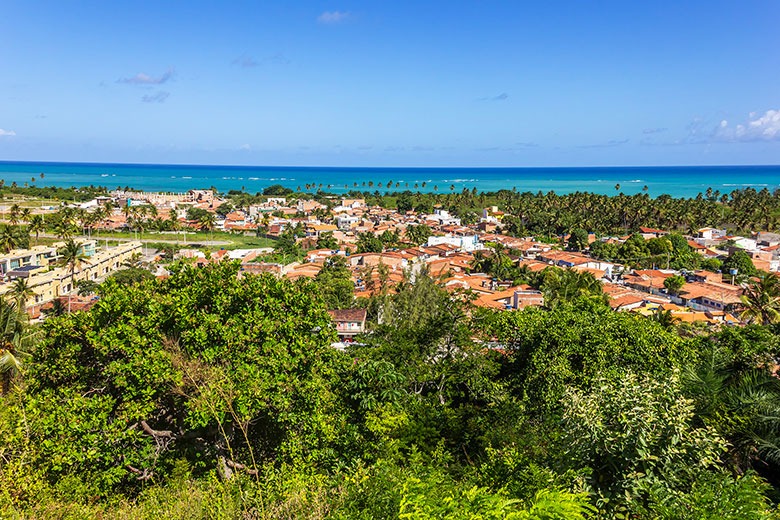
[677, 181]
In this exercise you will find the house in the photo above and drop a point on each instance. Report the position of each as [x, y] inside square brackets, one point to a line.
[348, 322]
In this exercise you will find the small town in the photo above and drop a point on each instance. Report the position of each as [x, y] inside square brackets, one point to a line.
[381, 248]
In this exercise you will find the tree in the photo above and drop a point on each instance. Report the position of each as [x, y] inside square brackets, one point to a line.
[567, 285]
[578, 239]
[37, 225]
[15, 339]
[368, 242]
[287, 244]
[761, 300]
[21, 292]
[418, 234]
[335, 283]
[741, 262]
[327, 241]
[9, 240]
[639, 438]
[87, 287]
[189, 368]
[131, 276]
[673, 284]
[71, 256]
[277, 190]
[207, 221]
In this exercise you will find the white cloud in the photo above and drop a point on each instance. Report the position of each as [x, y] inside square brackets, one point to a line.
[145, 79]
[7, 133]
[764, 127]
[331, 17]
[245, 147]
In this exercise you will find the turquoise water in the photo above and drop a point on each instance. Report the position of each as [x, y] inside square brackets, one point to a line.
[676, 181]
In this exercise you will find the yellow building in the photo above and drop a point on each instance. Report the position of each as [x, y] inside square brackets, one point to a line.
[48, 282]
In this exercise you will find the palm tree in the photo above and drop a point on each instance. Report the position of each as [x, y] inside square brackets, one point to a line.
[743, 404]
[37, 225]
[71, 256]
[14, 339]
[26, 214]
[57, 308]
[21, 292]
[206, 221]
[9, 240]
[13, 216]
[761, 300]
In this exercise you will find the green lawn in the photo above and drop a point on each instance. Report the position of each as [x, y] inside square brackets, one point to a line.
[191, 238]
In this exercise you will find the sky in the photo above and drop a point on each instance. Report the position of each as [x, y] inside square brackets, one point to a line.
[340, 83]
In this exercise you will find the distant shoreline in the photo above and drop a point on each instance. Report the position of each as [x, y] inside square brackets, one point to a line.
[677, 181]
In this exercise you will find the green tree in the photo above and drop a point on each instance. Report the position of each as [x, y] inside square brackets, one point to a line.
[637, 434]
[227, 373]
[368, 242]
[130, 276]
[21, 292]
[335, 285]
[37, 225]
[741, 262]
[327, 241]
[418, 234]
[72, 257]
[578, 239]
[761, 300]
[15, 340]
[674, 284]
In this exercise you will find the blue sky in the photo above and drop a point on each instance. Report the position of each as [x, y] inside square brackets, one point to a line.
[398, 83]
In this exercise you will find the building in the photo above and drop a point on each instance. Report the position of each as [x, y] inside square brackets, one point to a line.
[349, 322]
[49, 282]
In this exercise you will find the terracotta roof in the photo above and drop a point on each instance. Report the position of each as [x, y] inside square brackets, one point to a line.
[348, 314]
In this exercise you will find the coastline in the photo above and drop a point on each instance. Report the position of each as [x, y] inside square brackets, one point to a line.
[677, 181]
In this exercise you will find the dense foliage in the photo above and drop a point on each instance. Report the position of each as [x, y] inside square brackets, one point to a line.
[215, 394]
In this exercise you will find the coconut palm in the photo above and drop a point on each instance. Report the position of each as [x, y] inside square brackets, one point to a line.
[14, 341]
[13, 216]
[71, 256]
[206, 221]
[742, 404]
[8, 239]
[57, 308]
[21, 292]
[761, 300]
[37, 225]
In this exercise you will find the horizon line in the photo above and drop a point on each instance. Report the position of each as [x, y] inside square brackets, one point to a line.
[197, 165]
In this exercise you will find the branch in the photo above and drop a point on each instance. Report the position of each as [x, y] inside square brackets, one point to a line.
[156, 433]
[142, 475]
[236, 465]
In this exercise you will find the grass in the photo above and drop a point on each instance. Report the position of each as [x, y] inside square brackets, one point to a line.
[234, 241]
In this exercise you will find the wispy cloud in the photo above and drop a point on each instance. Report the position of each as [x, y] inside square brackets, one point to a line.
[648, 131]
[333, 17]
[528, 144]
[246, 147]
[246, 61]
[145, 79]
[500, 97]
[157, 97]
[758, 127]
[609, 144]
[7, 133]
